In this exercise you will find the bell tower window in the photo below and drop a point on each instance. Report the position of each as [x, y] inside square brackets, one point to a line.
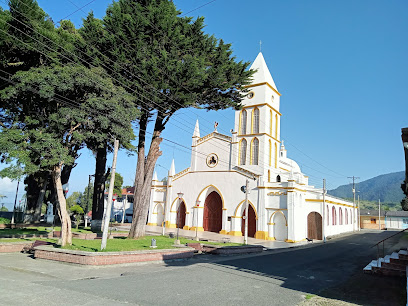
[255, 121]
[243, 122]
[242, 151]
[255, 151]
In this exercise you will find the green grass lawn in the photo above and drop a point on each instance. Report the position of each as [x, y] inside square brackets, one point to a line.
[5, 240]
[124, 244]
[40, 230]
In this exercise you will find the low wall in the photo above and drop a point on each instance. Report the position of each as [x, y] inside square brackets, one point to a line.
[229, 250]
[11, 247]
[110, 258]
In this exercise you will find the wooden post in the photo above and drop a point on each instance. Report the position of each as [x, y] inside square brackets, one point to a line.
[110, 196]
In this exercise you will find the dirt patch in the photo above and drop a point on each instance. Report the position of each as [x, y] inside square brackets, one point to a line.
[321, 301]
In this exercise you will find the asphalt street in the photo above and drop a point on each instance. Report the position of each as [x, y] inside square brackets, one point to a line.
[280, 277]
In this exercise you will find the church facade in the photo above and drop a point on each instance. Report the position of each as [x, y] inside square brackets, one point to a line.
[282, 205]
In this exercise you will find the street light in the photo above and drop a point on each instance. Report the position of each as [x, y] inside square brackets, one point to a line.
[180, 196]
[197, 206]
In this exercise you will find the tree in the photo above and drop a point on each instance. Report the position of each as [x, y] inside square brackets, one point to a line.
[77, 212]
[74, 199]
[168, 63]
[117, 188]
[3, 208]
[53, 131]
[93, 48]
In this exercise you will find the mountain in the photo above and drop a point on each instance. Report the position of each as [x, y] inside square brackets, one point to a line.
[386, 187]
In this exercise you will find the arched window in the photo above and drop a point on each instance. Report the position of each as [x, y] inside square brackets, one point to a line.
[276, 155]
[276, 126]
[242, 151]
[270, 124]
[255, 122]
[340, 216]
[334, 215]
[243, 122]
[270, 153]
[328, 217]
[255, 151]
[346, 216]
[278, 179]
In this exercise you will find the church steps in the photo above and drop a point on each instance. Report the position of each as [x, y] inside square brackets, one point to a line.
[394, 264]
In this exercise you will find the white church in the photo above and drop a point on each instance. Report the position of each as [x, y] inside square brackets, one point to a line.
[283, 206]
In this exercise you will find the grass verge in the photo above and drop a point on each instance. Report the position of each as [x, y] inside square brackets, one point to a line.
[124, 244]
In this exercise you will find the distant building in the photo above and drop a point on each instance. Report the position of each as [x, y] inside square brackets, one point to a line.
[369, 219]
[282, 204]
[396, 219]
[122, 205]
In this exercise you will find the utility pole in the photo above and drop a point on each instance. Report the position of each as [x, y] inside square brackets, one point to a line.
[110, 196]
[15, 203]
[354, 200]
[379, 214]
[358, 214]
[324, 210]
[246, 211]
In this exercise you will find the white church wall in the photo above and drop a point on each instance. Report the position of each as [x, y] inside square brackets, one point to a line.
[213, 146]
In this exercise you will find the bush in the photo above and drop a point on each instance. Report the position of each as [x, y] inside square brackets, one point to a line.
[4, 221]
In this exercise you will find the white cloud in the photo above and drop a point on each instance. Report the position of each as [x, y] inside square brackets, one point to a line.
[7, 185]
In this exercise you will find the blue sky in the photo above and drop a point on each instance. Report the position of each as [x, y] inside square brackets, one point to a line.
[341, 67]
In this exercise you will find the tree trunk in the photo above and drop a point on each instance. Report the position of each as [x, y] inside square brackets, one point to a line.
[66, 234]
[34, 185]
[99, 189]
[144, 175]
[40, 200]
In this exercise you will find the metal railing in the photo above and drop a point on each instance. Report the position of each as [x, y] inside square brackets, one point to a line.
[383, 241]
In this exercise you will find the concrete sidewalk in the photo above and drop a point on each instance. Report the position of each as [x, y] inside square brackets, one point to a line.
[210, 236]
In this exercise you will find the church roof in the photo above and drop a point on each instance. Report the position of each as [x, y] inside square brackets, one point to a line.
[262, 75]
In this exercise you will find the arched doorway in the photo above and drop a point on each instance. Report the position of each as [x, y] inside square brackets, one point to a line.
[181, 215]
[280, 229]
[213, 213]
[314, 226]
[251, 222]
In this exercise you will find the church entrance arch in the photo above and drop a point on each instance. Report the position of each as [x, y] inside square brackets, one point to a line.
[213, 213]
[251, 222]
[181, 215]
[314, 226]
[280, 228]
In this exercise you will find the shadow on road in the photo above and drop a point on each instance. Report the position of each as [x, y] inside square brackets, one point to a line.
[333, 269]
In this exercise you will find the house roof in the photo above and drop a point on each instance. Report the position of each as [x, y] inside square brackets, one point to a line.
[371, 212]
[400, 213]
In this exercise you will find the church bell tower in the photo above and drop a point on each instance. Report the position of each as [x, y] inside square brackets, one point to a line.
[258, 123]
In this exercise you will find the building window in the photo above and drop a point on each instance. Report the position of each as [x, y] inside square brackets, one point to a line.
[340, 216]
[270, 124]
[328, 217]
[276, 126]
[242, 151]
[255, 151]
[278, 179]
[334, 217]
[373, 220]
[243, 122]
[255, 122]
[346, 216]
[270, 153]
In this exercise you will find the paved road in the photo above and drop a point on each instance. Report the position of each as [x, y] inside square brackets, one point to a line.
[280, 277]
